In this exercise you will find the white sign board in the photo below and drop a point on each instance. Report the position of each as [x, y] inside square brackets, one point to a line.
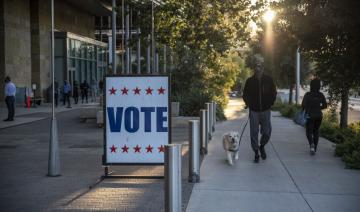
[136, 119]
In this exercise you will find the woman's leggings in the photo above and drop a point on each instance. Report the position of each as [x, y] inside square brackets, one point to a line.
[312, 130]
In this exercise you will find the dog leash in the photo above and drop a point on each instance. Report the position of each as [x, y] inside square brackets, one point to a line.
[242, 132]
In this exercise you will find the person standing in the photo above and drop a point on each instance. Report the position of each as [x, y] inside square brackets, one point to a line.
[67, 92]
[313, 102]
[259, 95]
[84, 91]
[76, 92]
[93, 90]
[101, 86]
[56, 93]
[10, 91]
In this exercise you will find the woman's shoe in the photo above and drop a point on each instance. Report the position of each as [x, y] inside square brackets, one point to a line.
[312, 149]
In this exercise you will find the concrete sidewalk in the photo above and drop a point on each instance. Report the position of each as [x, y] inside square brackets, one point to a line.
[24, 185]
[289, 180]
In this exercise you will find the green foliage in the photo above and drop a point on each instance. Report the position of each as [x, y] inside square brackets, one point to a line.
[285, 109]
[328, 33]
[202, 35]
[347, 140]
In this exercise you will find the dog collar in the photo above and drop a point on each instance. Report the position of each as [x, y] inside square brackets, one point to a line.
[234, 150]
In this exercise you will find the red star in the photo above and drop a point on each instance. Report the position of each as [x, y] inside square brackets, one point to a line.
[149, 148]
[149, 91]
[161, 90]
[125, 149]
[137, 149]
[136, 91]
[161, 148]
[112, 91]
[124, 91]
[113, 148]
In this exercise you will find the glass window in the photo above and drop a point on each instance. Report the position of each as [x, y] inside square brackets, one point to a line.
[83, 70]
[78, 69]
[72, 47]
[88, 71]
[77, 49]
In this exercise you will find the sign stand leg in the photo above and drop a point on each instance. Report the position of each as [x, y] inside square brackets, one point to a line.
[109, 174]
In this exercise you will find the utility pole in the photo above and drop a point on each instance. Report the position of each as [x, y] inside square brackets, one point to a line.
[153, 38]
[297, 96]
[113, 26]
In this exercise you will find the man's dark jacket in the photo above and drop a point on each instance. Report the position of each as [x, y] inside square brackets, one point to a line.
[259, 94]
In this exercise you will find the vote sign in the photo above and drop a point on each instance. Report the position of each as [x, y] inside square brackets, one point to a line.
[136, 119]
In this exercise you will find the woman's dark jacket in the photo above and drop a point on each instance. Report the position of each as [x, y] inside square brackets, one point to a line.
[259, 94]
[313, 102]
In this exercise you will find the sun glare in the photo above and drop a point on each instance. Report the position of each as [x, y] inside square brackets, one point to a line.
[269, 15]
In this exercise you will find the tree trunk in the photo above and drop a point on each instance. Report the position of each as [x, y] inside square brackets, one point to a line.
[291, 94]
[344, 107]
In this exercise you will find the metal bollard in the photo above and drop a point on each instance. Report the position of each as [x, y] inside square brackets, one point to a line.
[208, 108]
[173, 178]
[214, 116]
[194, 151]
[204, 139]
[211, 119]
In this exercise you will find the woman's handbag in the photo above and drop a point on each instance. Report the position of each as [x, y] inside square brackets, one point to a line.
[300, 118]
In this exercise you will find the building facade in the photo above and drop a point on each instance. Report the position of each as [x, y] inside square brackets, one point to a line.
[25, 43]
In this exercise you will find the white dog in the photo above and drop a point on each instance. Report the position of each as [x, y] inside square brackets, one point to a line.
[231, 144]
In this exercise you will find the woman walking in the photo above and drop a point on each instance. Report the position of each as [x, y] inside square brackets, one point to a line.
[313, 102]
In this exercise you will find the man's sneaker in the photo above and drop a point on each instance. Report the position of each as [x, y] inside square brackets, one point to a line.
[312, 149]
[262, 152]
[257, 158]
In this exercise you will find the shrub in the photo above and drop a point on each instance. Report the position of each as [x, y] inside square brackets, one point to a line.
[286, 109]
[347, 141]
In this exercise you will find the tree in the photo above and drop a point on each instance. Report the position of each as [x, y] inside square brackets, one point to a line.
[328, 32]
[201, 34]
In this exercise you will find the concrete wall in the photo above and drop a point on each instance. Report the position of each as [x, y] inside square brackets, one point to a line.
[67, 18]
[16, 47]
[25, 50]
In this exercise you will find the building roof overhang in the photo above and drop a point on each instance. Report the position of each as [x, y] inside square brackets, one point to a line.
[94, 7]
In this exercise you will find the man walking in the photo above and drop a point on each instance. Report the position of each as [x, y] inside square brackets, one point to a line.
[10, 91]
[259, 95]
[67, 93]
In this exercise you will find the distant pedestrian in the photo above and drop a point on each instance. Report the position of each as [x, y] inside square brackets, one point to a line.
[56, 93]
[76, 92]
[259, 95]
[93, 90]
[67, 93]
[84, 87]
[101, 86]
[313, 102]
[10, 91]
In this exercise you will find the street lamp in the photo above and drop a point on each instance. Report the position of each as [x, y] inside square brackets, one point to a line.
[297, 94]
[269, 16]
[54, 159]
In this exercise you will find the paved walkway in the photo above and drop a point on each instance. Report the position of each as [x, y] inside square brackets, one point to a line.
[289, 180]
[24, 185]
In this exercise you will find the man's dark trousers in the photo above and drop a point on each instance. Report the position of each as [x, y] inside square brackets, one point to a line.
[10, 103]
[261, 119]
